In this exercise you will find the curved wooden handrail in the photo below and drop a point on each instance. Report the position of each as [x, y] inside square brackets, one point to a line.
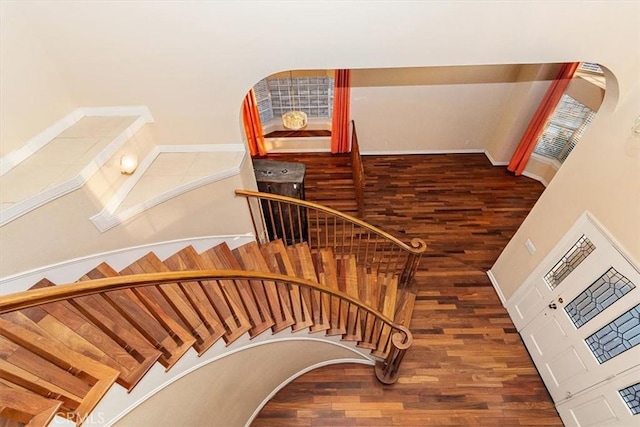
[35, 297]
[418, 246]
[389, 340]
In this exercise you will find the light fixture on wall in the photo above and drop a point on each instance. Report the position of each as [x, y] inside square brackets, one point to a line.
[293, 119]
[128, 164]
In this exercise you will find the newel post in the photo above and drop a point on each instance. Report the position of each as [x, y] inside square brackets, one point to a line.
[387, 370]
[413, 260]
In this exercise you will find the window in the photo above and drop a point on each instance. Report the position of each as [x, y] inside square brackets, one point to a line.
[589, 67]
[565, 127]
[264, 101]
[276, 96]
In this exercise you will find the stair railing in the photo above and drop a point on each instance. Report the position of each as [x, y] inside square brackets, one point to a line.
[357, 169]
[387, 340]
[296, 221]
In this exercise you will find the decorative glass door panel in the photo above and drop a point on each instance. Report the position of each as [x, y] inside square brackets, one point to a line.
[614, 403]
[586, 327]
[573, 257]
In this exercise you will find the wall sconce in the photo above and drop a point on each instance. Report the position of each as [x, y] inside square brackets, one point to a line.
[128, 164]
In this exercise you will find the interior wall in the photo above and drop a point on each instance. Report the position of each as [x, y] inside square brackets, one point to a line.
[586, 92]
[192, 63]
[532, 82]
[226, 393]
[61, 230]
[600, 176]
[429, 109]
[541, 169]
[33, 95]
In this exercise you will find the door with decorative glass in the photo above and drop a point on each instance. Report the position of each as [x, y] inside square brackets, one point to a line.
[580, 316]
[616, 402]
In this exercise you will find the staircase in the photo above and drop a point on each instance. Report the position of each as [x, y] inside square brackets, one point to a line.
[63, 347]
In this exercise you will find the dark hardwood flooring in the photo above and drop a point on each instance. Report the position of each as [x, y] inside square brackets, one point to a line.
[468, 365]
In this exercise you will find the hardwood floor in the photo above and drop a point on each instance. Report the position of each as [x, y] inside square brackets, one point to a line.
[468, 365]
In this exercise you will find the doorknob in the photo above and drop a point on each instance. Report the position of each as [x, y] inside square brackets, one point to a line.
[553, 306]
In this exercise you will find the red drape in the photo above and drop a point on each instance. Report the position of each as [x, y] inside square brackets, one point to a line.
[252, 125]
[536, 127]
[341, 107]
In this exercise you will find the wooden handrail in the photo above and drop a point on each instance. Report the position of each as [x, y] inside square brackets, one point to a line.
[39, 296]
[391, 348]
[295, 221]
[357, 169]
[418, 246]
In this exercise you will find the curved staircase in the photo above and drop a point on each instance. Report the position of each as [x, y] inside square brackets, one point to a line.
[63, 347]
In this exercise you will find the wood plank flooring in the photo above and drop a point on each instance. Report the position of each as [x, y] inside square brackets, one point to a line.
[468, 365]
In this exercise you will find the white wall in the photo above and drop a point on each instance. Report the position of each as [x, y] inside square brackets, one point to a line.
[429, 109]
[531, 84]
[33, 95]
[192, 63]
[226, 392]
[61, 230]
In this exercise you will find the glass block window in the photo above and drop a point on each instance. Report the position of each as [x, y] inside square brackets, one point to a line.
[609, 288]
[590, 67]
[564, 129]
[631, 396]
[616, 337]
[313, 95]
[569, 262]
[263, 97]
[276, 96]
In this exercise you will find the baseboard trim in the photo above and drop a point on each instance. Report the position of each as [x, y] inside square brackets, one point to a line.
[497, 288]
[408, 152]
[107, 218]
[493, 161]
[300, 150]
[536, 177]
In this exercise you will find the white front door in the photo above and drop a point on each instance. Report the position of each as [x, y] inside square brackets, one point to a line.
[603, 405]
[579, 316]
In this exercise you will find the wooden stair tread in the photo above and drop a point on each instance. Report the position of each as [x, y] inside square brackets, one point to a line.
[347, 271]
[404, 309]
[278, 261]
[57, 322]
[132, 357]
[247, 301]
[302, 261]
[24, 408]
[186, 303]
[212, 303]
[277, 295]
[145, 309]
[328, 276]
[59, 371]
[369, 293]
[389, 288]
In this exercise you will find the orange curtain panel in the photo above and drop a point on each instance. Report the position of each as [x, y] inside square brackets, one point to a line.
[341, 104]
[536, 127]
[252, 125]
